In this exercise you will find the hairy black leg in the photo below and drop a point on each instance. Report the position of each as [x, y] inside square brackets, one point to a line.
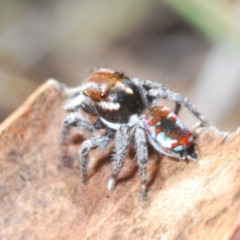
[157, 90]
[88, 109]
[92, 143]
[75, 120]
[142, 157]
[177, 108]
[120, 150]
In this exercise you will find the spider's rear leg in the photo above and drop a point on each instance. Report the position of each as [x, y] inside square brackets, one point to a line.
[120, 150]
[181, 100]
[177, 108]
[157, 90]
[96, 142]
[142, 157]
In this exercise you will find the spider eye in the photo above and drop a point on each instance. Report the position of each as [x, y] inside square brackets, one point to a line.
[103, 95]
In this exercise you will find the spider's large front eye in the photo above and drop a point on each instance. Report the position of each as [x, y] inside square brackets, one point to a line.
[103, 95]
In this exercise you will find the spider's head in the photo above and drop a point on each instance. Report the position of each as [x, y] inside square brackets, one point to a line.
[114, 95]
[107, 89]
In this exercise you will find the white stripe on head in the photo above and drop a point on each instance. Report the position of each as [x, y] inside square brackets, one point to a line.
[109, 106]
[106, 70]
[124, 88]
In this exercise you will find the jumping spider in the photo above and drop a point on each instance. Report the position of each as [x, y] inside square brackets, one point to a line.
[129, 111]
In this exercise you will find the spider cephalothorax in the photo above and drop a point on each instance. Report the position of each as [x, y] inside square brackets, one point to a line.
[130, 112]
[113, 94]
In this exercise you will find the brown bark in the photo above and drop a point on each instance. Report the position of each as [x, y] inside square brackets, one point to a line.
[42, 195]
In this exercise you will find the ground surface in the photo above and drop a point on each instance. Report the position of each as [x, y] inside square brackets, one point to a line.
[42, 195]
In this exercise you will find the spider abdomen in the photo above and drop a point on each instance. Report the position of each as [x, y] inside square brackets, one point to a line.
[165, 130]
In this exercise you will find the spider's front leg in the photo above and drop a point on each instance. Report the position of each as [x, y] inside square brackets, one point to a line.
[157, 90]
[75, 120]
[120, 150]
[96, 142]
[142, 157]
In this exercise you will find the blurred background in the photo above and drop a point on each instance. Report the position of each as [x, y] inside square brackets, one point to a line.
[191, 46]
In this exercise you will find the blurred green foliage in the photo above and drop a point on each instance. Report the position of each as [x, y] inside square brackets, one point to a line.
[218, 19]
[65, 39]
